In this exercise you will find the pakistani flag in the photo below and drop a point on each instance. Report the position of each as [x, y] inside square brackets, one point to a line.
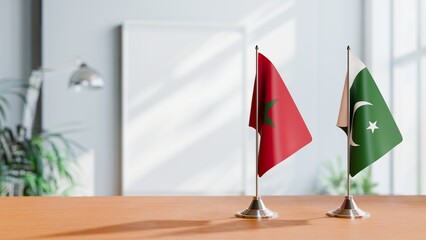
[373, 131]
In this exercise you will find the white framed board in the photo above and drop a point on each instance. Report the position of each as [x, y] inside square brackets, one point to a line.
[183, 109]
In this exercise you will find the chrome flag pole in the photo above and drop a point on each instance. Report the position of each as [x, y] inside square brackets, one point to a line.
[257, 208]
[348, 209]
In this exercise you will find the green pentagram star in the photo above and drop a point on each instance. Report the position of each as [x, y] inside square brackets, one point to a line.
[267, 107]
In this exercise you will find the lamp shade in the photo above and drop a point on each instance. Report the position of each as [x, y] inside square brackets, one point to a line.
[86, 77]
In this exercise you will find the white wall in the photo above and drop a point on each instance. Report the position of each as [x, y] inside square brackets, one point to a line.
[15, 47]
[311, 58]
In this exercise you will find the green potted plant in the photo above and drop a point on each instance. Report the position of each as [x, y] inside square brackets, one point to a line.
[40, 164]
[333, 180]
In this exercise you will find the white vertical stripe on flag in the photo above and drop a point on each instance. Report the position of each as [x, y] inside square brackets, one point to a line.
[355, 66]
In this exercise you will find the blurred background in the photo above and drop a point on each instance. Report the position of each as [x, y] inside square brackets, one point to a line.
[172, 117]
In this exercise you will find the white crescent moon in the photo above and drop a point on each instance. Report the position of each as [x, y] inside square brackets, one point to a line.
[356, 106]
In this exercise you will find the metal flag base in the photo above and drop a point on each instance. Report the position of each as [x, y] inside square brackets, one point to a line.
[257, 209]
[349, 209]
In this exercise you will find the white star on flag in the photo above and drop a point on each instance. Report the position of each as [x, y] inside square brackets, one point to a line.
[372, 126]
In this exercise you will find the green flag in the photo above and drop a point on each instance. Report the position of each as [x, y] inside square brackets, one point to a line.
[373, 131]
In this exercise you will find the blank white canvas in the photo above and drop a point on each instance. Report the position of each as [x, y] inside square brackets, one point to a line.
[182, 109]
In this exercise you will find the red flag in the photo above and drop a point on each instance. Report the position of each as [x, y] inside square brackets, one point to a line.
[281, 127]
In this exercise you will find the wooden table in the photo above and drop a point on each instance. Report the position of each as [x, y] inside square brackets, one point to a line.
[301, 217]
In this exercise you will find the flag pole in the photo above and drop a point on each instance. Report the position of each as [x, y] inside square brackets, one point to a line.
[257, 208]
[348, 209]
[348, 151]
[257, 121]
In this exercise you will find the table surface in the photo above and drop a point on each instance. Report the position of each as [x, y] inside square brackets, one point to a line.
[300, 217]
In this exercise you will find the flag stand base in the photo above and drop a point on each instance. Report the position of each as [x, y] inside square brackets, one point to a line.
[348, 209]
[257, 209]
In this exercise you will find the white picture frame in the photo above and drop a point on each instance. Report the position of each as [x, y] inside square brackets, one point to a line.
[183, 105]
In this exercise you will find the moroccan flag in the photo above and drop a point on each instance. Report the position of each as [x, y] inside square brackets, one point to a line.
[373, 130]
[281, 127]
